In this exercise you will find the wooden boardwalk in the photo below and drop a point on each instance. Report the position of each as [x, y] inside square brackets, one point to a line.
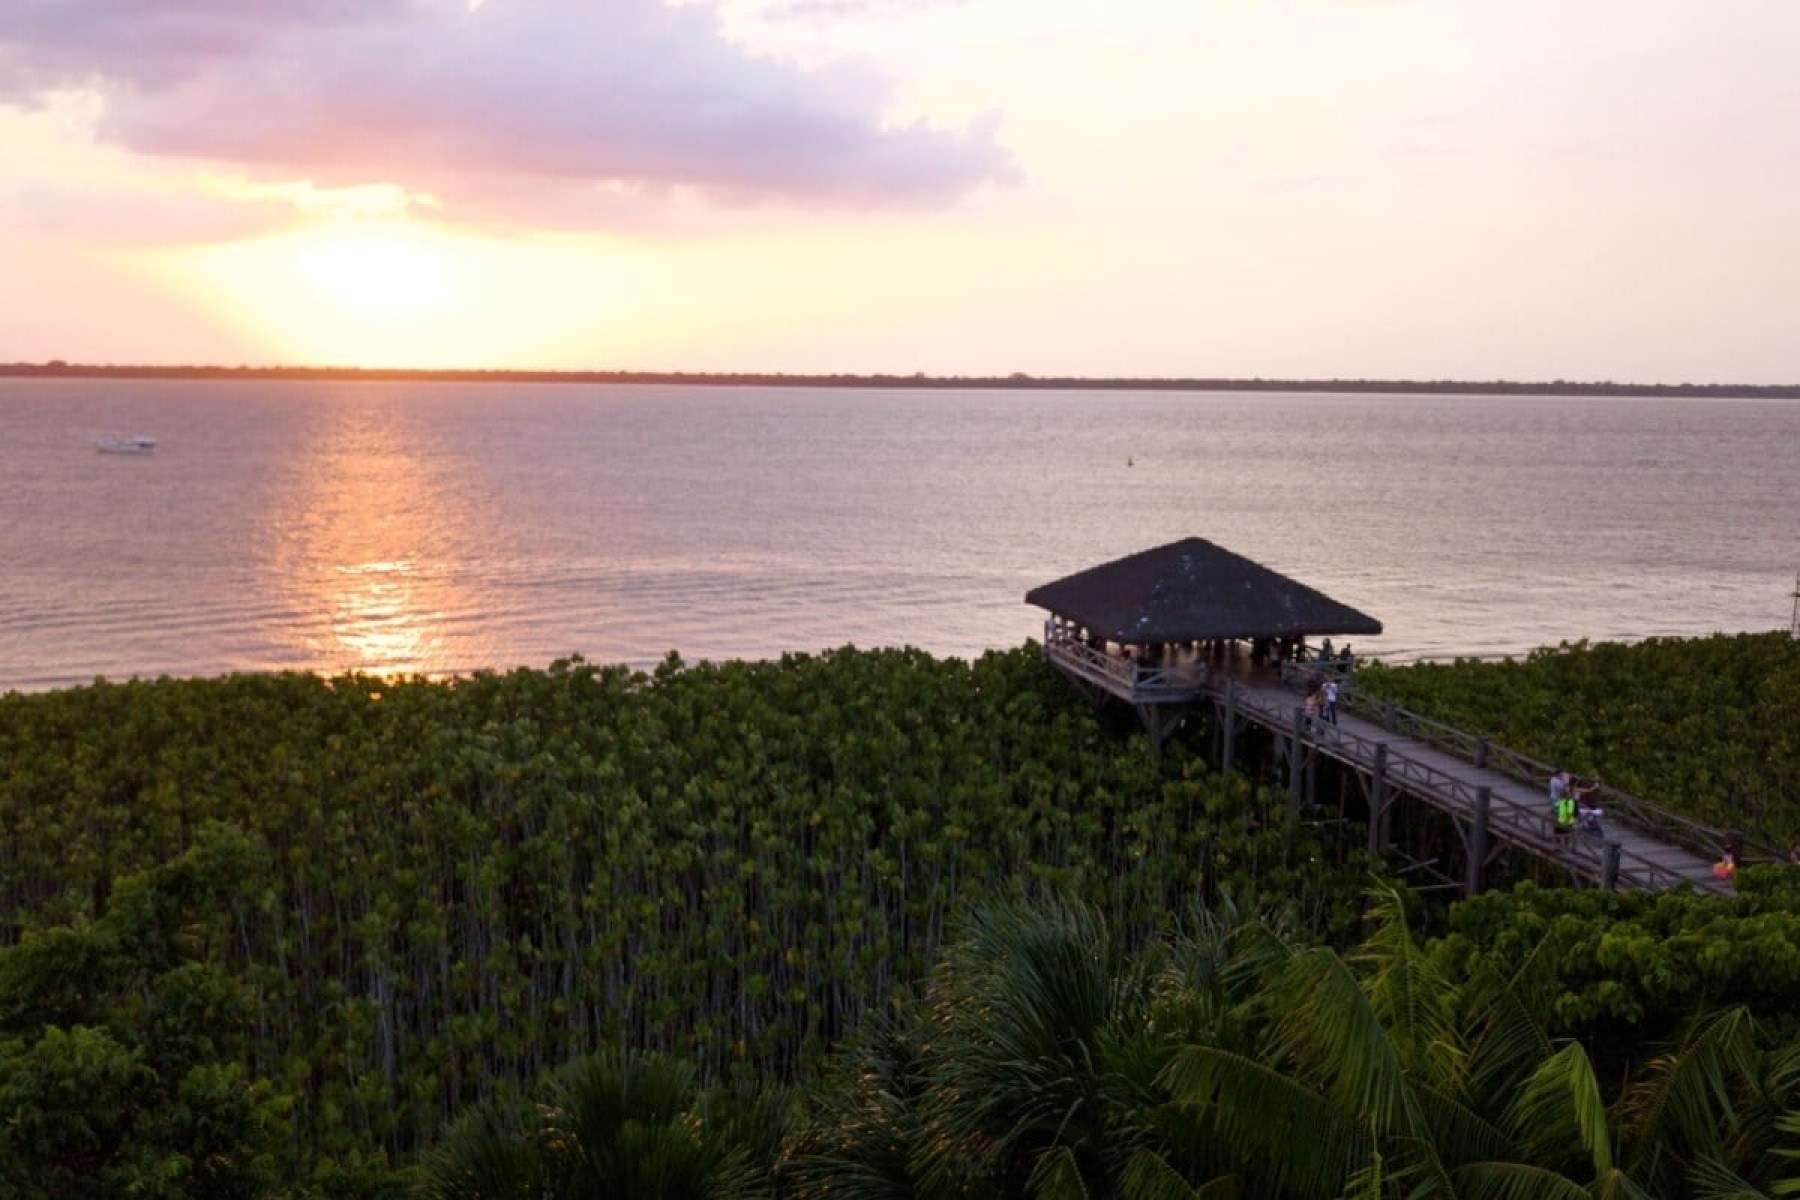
[1498, 800]
[1497, 805]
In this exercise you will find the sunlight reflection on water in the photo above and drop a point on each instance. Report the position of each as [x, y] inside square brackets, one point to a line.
[398, 528]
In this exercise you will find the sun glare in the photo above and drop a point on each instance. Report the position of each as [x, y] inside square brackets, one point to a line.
[419, 294]
[375, 275]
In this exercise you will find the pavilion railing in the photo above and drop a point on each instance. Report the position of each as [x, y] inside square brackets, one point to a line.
[1119, 674]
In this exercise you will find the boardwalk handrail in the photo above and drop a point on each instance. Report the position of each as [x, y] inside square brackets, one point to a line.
[1525, 823]
[1091, 660]
[1679, 829]
[1119, 674]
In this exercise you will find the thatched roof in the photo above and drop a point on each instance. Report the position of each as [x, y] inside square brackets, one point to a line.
[1190, 590]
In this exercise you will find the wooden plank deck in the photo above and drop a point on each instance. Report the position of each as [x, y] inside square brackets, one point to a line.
[1518, 814]
[1640, 846]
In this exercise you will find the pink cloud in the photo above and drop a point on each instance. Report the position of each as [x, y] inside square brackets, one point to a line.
[430, 95]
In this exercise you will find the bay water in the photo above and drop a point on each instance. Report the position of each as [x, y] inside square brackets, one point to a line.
[433, 528]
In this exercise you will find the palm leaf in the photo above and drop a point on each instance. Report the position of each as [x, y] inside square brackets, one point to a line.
[1685, 1103]
[1414, 1170]
[1789, 1124]
[866, 1125]
[1148, 1176]
[1038, 1042]
[1513, 1181]
[488, 1155]
[1276, 1126]
[1710, 1179]
[1458, 1133]
[1057, 1176]
[1329, 1031]
[1509, 1045]
[1407, 994]
[1614, 1184]
[1560, 1109]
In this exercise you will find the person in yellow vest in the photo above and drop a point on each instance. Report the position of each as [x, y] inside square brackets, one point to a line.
[1562, 803]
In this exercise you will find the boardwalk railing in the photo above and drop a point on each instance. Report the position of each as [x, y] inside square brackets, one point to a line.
[1126, 677]
[1662, 823]
[1527, 824]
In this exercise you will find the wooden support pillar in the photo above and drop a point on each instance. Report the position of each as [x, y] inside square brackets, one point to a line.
[1311, 761]
[1390, 718]
[1293, 804]
[1157, 723]
[1378, 800]
[1230, 725]
[1609, 867]
[1481, 752]
[1478, 840]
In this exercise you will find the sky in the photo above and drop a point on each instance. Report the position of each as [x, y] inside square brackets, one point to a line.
[1584, 190]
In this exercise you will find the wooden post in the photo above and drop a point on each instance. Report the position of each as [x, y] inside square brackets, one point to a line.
[1609, 867]
[1481, 752]
[1478, 840]
[1230, 725]
[1390, 719]
[1157, 724]
[1378, 803]
[1293, 805]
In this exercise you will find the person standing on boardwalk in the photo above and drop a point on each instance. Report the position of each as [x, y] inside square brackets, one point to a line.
[1562, 803]
[1331, 699]
[1587, 808]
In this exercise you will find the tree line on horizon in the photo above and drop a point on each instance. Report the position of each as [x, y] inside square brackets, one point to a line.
[57, 368]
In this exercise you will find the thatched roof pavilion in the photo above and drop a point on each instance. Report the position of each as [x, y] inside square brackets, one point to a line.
[1190, 591]
[1153, 627]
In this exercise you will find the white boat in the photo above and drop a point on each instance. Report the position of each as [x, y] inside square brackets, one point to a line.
[141, 444]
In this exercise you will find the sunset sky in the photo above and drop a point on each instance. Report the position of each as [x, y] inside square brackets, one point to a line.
[1468, 189]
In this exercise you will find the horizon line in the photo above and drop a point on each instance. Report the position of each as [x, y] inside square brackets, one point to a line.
[57, 368]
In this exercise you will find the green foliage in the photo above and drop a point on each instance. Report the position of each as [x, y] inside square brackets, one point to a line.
[1706, 726]
[118, 1071]
[450, 887]
[624, 1125]
[1039, 1067]
[1621, 967]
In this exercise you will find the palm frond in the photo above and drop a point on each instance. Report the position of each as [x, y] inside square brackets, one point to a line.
[866, 1124]
[1789, 1125]
[1038, 1041]
[1057, 1176]
[1456, 1132]
[1710, 1179]
[1509, 1043]
[1408, 995]
[488, 1155]
[1781, 1074]
[1614, 1184]
[1327, 1029]
[1148, 1176]
[1559, 1109]
[1685, 1101]
[1514, 1181]
[1274, 1126]
[1258, 954]
[1415, 1171]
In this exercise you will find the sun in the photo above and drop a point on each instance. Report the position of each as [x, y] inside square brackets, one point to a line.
[375, 274]
[415, 294]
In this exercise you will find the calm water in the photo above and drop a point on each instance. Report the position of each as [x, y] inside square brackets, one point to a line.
[445, 528]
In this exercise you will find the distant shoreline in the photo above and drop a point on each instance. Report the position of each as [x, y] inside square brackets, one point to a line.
[1558, 387]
